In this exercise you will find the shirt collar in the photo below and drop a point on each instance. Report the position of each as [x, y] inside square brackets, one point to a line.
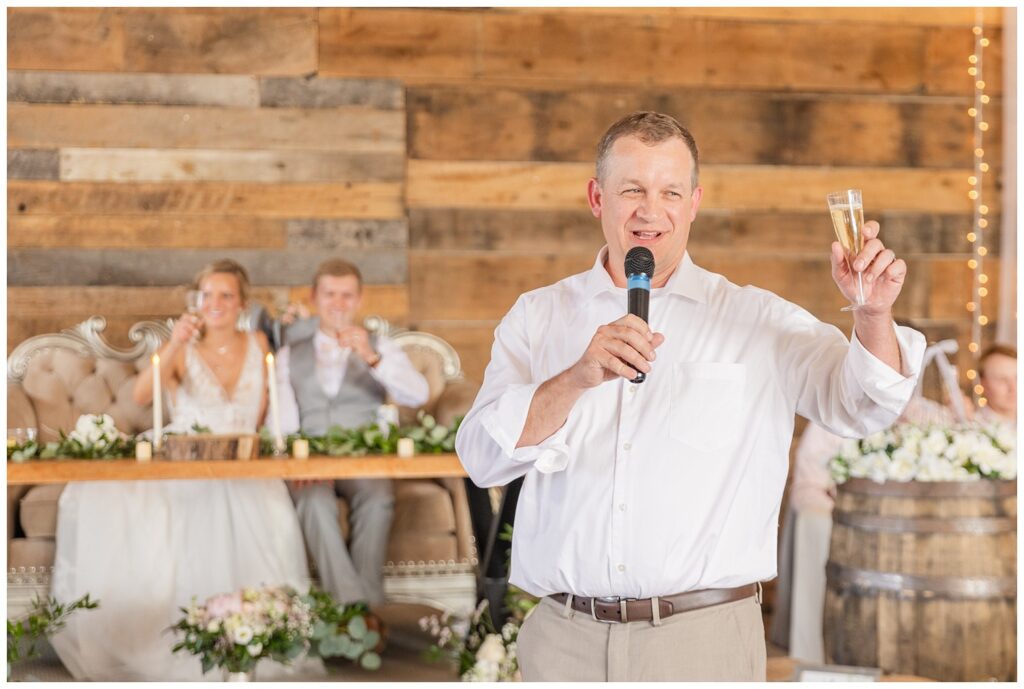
[686, 281]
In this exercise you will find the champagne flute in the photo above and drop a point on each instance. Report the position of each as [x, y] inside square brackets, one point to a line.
[847, 211]
[194, 305]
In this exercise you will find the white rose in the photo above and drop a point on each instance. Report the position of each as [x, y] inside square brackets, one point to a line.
[877, 441]
[935, 443]
[254, 649]
[849, 449]
[492, 649]
[902, 469]
[242, 634]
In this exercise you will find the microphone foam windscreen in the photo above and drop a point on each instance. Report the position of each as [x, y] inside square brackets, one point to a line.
[639, 260]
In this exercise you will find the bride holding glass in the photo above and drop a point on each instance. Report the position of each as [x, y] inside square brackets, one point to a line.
[144, 549]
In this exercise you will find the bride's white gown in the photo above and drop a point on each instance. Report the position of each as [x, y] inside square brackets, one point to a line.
[145, 548]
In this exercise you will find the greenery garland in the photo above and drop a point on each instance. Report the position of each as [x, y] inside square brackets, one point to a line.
[429, 437]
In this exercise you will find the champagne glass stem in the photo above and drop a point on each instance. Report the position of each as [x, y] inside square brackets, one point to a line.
[860, 289]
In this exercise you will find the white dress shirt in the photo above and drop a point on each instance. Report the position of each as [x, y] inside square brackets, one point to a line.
[403, 383]
[673, 484]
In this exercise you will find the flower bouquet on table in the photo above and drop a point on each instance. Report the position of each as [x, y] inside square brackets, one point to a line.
[910, 452]
[94, 437]
[234, 631]
[482, 652]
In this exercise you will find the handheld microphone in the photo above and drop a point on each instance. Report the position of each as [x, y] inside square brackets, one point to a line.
[639, 268]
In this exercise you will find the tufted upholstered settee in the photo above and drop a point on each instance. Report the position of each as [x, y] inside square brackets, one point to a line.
[53, 379]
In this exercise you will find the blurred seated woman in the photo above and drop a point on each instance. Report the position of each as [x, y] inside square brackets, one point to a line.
[144, 549]
[997, 369]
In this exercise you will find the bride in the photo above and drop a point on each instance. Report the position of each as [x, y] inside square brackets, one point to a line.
[144, 549]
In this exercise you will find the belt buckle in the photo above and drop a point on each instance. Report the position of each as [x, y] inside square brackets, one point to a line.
[619, 600]
[603, 599]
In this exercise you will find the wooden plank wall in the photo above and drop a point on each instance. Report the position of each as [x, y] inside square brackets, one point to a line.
[430, 145]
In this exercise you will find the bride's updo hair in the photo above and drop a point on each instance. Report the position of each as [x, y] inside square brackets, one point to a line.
[231, 267]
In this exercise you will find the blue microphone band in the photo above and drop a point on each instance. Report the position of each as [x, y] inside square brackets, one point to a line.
[640, 281]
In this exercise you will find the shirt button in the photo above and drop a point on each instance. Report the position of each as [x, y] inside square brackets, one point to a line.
[627, 446]
[622, 507]
[632, 388]
[622, 568]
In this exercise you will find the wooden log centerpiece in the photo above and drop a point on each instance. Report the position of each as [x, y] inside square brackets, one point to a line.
[199, 446]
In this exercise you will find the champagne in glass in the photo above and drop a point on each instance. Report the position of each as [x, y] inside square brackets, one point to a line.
[848, 220]
[194, 305]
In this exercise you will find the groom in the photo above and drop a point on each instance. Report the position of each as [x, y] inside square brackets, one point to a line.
[339, 374]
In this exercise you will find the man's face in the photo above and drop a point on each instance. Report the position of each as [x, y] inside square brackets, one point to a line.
[337, 300]
[646, 200]
[1000, 381]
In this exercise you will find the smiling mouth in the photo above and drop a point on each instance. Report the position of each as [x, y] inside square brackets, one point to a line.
[646, 236]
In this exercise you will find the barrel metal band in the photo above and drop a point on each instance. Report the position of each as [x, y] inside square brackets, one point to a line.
[932, 489]
[970, 525]
[840, 576]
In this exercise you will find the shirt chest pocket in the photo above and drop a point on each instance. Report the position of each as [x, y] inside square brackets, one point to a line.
[707, 404]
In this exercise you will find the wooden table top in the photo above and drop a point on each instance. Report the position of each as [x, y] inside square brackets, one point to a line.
[319, 467]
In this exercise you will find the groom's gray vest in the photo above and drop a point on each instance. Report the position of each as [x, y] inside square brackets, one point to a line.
[355, 403]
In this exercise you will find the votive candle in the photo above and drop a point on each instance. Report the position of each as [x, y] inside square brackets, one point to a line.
[406, 447]
[158, 405]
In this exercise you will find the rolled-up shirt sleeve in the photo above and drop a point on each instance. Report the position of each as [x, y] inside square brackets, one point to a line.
[403, 383]
[839, 384]
[487, 438]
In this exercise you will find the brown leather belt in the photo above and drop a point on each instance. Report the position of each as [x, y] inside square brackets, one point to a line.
[641, 609]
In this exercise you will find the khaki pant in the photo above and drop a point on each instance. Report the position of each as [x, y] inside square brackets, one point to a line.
[724, 642]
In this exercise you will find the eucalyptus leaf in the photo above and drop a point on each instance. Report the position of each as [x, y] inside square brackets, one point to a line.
[371, 639]
[370, 661]
[357, 627]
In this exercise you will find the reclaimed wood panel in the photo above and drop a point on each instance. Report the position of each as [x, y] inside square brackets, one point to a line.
[240, 91]
[389, 301]
[33, 164]
[352, 130]
[472, 340]
[145, 267]
[339, 235]
[154, 232]
[302, 92]
[787, 233]
[200, 165]
[340, 200]
[478, 123]
[912, 16]
[398, 42]
[70, 38]
[563, 186]
[278, 41]
[946, 52]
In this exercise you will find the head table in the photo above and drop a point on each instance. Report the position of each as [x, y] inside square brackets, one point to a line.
[316, 467]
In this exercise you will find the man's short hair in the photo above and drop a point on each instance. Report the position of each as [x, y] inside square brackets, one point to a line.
[338, 268]
[651, 128]
[992, 350]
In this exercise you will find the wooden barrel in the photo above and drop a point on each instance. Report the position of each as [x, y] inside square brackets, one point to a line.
[922, 579]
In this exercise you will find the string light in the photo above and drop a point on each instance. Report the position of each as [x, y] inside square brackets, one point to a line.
[976, 235]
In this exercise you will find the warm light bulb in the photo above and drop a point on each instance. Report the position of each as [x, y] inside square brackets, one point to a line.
[972, 374]
[971, 236]
[977, 30]
[984, 166]
[983, 126]
[972, 264]
[984, 43]
[973, 347]
[973, 59]
[971, 112]
[983, 291]
[972, 180]
[972, 194]
[985, 98]
[983, 278]
[983, 320]
[980, 84]
[979, 388]
[982, 250]
[979, 152]
[973, 71]
[971, 306]
[983, 209]
[982, 401]
[982, 224]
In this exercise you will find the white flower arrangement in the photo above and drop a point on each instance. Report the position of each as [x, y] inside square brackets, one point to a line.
[909, 452]
[95, 430]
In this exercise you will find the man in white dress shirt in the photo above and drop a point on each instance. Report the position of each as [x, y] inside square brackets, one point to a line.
[649, 512]
[340, 375]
